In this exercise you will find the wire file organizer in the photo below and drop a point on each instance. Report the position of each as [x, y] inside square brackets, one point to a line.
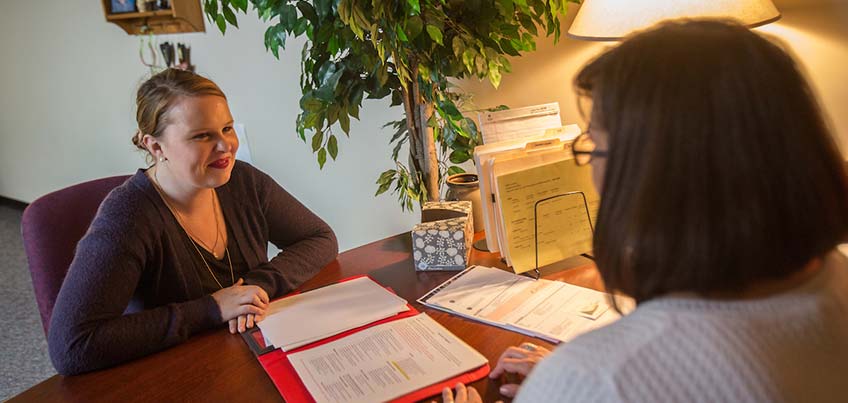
[536, 270]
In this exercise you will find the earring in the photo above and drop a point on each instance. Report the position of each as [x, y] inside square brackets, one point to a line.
[161, 159]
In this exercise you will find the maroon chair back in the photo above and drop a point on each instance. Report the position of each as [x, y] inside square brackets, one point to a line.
[51, 227]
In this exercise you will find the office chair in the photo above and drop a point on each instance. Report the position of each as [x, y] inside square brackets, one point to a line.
[51, 227]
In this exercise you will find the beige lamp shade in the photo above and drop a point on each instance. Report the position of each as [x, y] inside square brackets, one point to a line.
[611, 20]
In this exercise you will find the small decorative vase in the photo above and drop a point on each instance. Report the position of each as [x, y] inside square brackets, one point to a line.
[467, 187]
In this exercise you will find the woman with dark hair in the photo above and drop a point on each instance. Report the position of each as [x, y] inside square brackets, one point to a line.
[182, 246]
[723, 200]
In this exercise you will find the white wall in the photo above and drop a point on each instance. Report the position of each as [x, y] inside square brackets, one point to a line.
[67, 113]
[815, 30]
[68, 79]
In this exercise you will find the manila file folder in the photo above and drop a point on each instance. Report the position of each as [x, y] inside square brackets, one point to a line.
[564, 229]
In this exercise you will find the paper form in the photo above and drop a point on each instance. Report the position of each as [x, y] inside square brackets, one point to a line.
[564, 228]
[559, 315]
[304, 318]
[484, 157]
[504, 163]
[519, 123]
[384, 362]
[553, 310]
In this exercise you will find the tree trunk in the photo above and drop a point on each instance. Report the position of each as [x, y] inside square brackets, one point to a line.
[422, 145]
[430, 164]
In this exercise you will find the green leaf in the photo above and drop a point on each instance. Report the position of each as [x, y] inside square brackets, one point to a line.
[453, 170]
[317, 140]
[323, 7]
[211, 8]
[333, 146]
[507, 48]
[344, 122]
[528, 24]
[400, 34]
[459, 156]
[435, 33]
[468, 58]
[222, 24]
[312, 120]
[328, 88]
[240, 5]
[310, 103]
[396, 150]
[386, 177]
[356, 96]
[301, 130]
[480, 63]
[300, 26]
[288, 16]
[383, 188]
[307, 11]
[230, 16]
[451, 110]
[414, 27]
[397, 98]
[495, 77]
[332, 114]
[322, 158]
[458, 46]
[416, 7]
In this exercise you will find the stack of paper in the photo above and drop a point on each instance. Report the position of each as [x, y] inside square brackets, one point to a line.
[522, 190]
[519, 123]
[514, 176]
[488, 155]
[305, 318]
[384, 362]
[552, 310]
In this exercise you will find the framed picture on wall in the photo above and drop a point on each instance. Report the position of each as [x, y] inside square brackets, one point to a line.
[123, 6]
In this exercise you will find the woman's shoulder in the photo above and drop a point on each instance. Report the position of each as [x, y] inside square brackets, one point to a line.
[246, 175]
[247, 181]
[129, 203]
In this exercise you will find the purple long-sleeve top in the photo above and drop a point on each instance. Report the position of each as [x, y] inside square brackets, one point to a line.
[136, 255]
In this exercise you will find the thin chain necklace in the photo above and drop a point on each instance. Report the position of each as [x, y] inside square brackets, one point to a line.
[191, 236]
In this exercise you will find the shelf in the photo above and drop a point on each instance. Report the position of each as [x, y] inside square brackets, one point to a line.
[147, 14]
[183, 16]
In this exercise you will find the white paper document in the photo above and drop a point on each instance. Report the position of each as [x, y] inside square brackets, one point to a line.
[384, 362]
[512, 124]
[552, 310]
[302, 319]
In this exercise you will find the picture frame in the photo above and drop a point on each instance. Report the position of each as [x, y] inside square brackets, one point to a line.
[123, 6]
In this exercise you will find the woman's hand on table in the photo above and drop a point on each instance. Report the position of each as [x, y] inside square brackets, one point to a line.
[244, 322]
[242, 306]
[463, 395]
[517, 360]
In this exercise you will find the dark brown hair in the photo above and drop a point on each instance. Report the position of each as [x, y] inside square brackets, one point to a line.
[159, 93]
[721, 169]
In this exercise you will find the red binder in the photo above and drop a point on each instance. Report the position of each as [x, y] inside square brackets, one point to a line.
[276, 364]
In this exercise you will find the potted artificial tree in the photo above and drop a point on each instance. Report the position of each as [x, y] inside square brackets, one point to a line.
[404, 49]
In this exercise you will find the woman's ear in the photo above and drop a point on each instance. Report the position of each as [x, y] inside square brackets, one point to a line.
[153, 146]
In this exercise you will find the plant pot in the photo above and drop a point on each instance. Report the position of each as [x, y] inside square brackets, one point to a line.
[466, 186]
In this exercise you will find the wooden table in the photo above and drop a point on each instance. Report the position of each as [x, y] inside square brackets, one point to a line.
[218, 366]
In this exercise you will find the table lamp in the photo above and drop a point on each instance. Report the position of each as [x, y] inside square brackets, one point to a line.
[611, 20]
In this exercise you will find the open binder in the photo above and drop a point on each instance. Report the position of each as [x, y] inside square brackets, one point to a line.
[279, 368]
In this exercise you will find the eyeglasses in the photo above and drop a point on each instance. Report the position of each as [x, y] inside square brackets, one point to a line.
[584, 150]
